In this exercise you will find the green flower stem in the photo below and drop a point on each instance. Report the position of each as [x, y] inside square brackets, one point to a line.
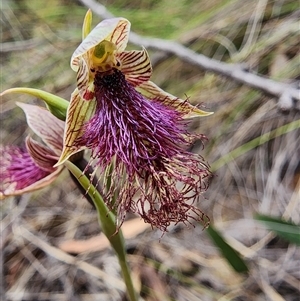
[107, 221]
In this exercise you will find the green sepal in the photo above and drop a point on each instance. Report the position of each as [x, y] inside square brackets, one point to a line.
[57, 113]
[87, 24]
[56, 105]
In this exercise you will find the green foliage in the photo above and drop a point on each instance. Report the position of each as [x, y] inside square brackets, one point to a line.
[284, 229]
[230, 254]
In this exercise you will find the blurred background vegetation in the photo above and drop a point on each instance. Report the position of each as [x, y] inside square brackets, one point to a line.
[38, 39]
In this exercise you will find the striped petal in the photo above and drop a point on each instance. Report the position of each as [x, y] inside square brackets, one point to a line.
[45, 125]
[136, 66]
[119, 36]
[152, 91]
[85, 83]
[115, 30]
[44, 157]
[78, 113]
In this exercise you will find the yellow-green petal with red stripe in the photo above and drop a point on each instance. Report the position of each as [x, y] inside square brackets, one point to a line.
[136, 66]
[152, 91]
[79, 112]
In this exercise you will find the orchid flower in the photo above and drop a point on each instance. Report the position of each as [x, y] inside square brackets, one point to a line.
[31, 167]
[131, 124]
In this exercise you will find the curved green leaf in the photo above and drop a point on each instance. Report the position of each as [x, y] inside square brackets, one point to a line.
[230, 254]
[56, 105]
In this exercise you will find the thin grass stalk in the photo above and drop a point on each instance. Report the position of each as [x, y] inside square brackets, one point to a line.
[229, 157]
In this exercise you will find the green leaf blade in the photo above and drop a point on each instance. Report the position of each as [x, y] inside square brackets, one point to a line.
[284, 229]
[231, 255]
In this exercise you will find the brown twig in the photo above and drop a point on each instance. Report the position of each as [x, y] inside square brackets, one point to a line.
[66, 258]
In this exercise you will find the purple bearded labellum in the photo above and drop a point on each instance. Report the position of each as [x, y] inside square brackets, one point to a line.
[136, 132]
[31, 167]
